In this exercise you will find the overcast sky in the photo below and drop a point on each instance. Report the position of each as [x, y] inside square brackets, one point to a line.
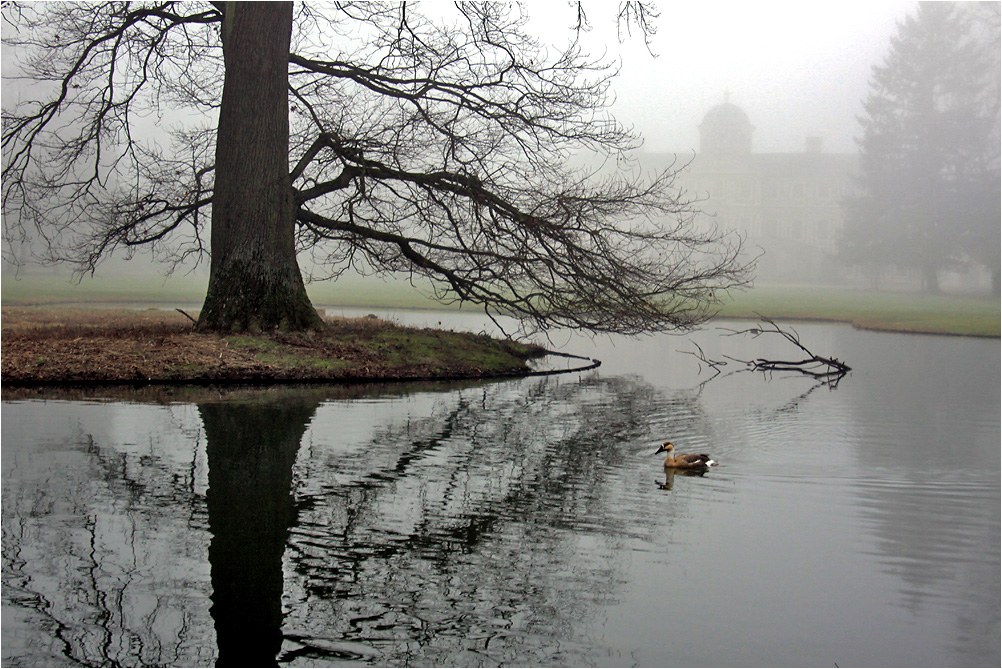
[796, 68]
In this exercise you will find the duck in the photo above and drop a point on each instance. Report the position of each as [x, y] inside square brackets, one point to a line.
[685, 460]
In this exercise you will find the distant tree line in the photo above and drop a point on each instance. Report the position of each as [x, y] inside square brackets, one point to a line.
[928, 192]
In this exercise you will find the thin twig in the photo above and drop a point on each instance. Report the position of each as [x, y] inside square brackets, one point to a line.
[182, 311]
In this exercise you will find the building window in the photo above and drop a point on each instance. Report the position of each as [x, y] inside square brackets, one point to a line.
[825, 232]
[795, 230]
[744, 194]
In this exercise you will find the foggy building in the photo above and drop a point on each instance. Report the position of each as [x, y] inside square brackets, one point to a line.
[786, 204]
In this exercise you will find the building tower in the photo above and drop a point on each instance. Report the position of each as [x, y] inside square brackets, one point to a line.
[725, 130]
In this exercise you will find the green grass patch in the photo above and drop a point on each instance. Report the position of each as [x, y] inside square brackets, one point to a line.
[896, 312]
[268, 351]
[151, 288]
[891, 311]
[431, 347]
[368, 342]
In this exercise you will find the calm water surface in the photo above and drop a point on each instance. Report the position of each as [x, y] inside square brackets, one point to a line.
[519, 523]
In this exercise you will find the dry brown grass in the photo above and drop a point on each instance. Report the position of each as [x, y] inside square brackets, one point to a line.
[64, 345]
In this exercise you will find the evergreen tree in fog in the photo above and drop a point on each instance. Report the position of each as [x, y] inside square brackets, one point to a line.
[928, 196]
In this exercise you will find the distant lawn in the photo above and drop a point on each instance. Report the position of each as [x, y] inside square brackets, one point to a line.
[896, 312]
[152, 289]
[140, 289]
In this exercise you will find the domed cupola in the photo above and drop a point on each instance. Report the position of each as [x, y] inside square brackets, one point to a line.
[725, 130]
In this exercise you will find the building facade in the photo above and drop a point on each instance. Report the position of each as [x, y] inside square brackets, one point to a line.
[787, 206]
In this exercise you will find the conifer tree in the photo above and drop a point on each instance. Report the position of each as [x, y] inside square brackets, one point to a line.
[925, 151]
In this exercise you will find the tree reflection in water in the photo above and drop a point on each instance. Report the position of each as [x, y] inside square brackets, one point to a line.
[478, 525]
[251, 449]
[488, 531]
[104, 536]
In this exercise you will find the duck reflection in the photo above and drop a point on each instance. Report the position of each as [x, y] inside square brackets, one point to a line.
[672, 472]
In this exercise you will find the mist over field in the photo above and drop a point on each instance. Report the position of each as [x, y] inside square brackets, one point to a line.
[799, 74]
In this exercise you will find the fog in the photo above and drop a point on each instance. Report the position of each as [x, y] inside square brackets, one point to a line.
[797, 70]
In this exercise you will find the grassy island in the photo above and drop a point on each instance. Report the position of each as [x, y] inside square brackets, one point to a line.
[51, 345]
[45, 342]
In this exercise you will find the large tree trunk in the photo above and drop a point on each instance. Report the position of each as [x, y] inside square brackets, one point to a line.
[254, 279]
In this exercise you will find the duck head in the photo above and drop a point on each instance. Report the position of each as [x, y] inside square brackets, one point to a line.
[666, 446]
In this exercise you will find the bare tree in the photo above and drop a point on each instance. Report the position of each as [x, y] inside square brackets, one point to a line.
[455, 148]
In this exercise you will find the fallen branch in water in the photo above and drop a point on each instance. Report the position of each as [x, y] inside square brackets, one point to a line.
[830, 370]
[816, 365]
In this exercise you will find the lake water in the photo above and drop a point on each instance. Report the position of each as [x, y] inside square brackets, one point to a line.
[523, 522]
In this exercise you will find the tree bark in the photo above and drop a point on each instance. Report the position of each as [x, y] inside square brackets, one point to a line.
[254, 278]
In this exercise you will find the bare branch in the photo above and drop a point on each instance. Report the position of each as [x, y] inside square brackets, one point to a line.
[458, 149]
[75, 173]
[829, 370]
